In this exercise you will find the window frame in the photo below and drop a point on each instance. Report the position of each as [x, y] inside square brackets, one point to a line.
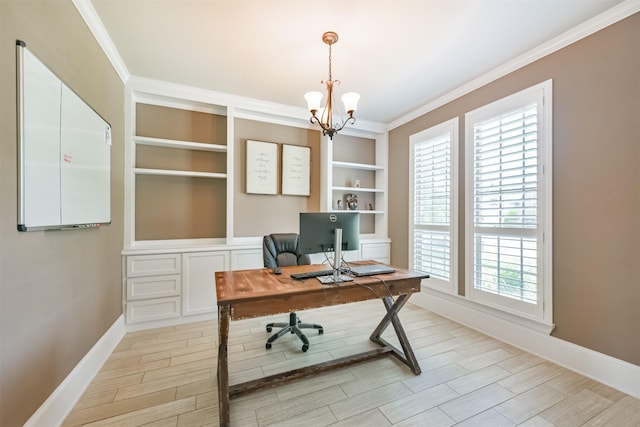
[450, 127]
[542, 311]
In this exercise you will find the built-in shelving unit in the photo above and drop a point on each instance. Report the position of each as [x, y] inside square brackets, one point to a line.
[183, 174]
[357, 165]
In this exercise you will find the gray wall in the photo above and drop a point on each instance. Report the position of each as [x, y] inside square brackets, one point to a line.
[59, 291]
[596, 188]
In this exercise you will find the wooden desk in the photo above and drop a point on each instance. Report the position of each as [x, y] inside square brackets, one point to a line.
[253, 293]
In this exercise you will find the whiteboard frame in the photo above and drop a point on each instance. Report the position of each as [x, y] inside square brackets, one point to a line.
[28, 221]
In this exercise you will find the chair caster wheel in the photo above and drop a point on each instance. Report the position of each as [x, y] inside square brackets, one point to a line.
[268, 328]
[268, 345]
[320, 331]
[305, 347]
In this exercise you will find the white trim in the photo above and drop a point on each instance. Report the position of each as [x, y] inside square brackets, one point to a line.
[90, 17]
[59, 404]
[244, 107]
[591, 26]
[600, 367]
[542, 94]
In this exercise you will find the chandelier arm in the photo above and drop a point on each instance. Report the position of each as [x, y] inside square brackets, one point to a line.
[351, 120]
[315, 119]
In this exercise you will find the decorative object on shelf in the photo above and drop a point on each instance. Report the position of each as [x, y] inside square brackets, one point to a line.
[295, 170]
[352, 201]
[356, 183]
[370, 207]
[339, 205]
[262, 167]
[313, 98]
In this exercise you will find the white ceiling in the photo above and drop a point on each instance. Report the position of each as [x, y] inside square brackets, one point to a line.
[398, 54]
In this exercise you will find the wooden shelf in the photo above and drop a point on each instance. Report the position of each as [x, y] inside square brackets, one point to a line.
[170, 143]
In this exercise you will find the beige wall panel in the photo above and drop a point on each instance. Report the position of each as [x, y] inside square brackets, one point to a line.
[182, 125]
[596, 201]
[177, 159]
[197, 207]
[60, 291]
[354, 149]
[258, 214]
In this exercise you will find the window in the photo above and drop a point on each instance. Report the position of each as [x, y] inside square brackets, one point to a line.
[433, 204]
[508, 203]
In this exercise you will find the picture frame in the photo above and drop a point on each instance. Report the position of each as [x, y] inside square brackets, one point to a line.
[296, 170]
[262, 167]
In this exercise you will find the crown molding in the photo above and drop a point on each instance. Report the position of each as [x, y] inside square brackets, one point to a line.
[90, 17]
[591, 26]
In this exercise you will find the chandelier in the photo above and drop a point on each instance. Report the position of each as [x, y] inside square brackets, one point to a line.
[324, 116]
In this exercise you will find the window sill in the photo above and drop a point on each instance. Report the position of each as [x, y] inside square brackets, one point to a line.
[477, 309]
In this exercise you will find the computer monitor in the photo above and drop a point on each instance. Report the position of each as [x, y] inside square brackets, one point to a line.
[322, 232]
[318, 231]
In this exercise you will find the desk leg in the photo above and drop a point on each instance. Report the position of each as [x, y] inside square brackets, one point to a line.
[224, 317]
[406, 356]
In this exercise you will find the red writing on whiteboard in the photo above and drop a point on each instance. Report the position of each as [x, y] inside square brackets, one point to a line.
[67, 158]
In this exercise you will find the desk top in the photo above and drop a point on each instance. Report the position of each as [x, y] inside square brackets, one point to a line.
[259, 292]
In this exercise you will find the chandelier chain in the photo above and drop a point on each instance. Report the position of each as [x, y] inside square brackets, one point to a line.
[330, 77]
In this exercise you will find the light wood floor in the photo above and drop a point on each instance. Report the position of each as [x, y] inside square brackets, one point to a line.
[167, 377]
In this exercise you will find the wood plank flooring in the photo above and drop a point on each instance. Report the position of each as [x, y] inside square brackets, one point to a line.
[167, 377]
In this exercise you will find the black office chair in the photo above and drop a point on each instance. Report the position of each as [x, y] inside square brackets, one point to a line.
[281, 250]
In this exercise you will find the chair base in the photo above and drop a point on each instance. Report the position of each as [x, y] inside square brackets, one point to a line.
[294, 326]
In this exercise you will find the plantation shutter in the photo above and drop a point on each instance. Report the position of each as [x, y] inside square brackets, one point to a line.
[505, 204]
[432, 206]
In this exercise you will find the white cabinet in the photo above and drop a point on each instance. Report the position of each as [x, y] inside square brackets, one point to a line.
[178, 287]
[377, 251]
[247, 259]
[152, 287]
[198, 281]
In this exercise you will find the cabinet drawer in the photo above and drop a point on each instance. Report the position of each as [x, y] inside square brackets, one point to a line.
[153, 265]
[156, 309]
[153, 287]
[377, 251]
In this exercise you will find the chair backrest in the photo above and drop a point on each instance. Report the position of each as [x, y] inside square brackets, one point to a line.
[281, 250]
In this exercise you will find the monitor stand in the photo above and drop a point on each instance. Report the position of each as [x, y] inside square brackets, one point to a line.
[336, 278]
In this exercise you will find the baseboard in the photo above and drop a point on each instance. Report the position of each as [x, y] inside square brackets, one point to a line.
[60, 403]
[607, 370]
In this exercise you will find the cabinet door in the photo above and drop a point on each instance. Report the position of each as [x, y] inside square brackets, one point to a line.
[246, 259]
[198, 280]
[377, 251]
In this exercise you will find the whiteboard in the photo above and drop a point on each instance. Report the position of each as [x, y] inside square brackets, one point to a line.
[64, 150]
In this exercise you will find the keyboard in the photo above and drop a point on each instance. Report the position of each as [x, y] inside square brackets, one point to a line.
[311, 274]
